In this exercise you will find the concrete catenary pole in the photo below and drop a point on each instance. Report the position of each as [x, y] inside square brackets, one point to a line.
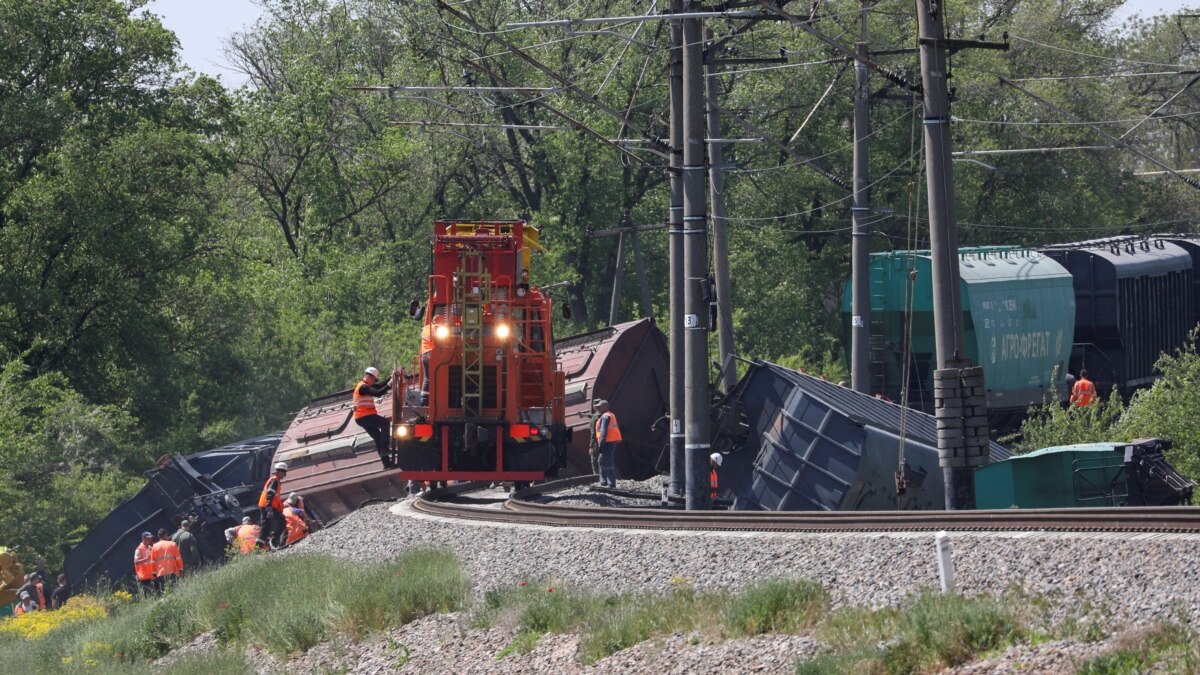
[860, 242]
[943, 244]
[716, 193]
[647, 308]
[675, 222]
[695, 265]
[614, 307]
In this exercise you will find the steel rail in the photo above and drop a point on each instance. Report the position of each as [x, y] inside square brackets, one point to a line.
[518, 510]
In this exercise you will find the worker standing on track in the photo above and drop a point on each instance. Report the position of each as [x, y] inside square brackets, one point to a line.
[168, 563]
[367, 417]
[608, 435]
[143, 564]
[714, 461]
[270, 506]
[1083, 393]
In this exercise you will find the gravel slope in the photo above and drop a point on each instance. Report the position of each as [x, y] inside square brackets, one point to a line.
[1120, 580]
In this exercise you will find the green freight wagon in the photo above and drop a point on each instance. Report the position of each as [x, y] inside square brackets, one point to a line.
[1018, 315]
[1088, 474]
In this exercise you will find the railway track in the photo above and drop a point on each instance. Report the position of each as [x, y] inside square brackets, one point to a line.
[519, 508]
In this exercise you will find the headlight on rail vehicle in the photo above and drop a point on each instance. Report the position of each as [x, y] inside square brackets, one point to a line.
[401, 431]
[441, 332]
[502, 331]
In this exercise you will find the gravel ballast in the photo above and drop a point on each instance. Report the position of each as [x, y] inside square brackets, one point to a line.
[1120, 580]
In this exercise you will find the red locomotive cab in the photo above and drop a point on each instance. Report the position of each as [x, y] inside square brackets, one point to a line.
[491, 401]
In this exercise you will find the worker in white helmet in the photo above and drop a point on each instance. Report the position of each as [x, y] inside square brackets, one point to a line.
[714, 461]
[367, 417]
[270, 505]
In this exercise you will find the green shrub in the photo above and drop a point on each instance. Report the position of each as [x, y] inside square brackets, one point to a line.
[933, 631]
[775, 606]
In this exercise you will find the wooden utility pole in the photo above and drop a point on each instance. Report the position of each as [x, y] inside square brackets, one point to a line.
[860, 242]
[675, 240]
[716, 191]
[695, 266]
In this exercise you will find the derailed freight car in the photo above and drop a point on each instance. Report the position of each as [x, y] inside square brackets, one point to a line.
[216, 488]
[795, 442]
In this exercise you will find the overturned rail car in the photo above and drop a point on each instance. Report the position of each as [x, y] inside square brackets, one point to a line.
[333, 463]
[216, 487]
[798, 443]
[628, 366]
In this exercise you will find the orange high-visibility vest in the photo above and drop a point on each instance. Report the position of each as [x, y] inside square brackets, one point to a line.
[1083, 393]
[612, 433]
[427, 338]
[167, 561]
[41, 595]
[274, 501]
[364, 404]
[143, 563]
[296, 529]
[712, 482]
[247, 536]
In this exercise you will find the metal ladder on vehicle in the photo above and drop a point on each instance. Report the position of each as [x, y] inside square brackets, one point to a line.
[472, 293]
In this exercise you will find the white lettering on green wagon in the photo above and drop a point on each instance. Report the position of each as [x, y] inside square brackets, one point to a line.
[1027, 345]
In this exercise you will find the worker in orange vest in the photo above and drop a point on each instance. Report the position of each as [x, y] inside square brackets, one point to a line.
[26, 605]
[367, 417]
[167, 560]
[426, 349]
[714, 461]
[297, 529]
[1083, 393]
[143, 564]
[608, 435]
[246, 535]
[270, 506]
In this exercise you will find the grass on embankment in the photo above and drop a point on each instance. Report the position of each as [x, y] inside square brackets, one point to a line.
[291, 603]
[610, 623]
[285, 603]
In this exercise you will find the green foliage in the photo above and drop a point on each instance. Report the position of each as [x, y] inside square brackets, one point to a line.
[246, 602]
[522, 643]
[1169, 409]
[1053, 425]
[1161, 647]
[776, 606]
[61, 462]
[933, 631]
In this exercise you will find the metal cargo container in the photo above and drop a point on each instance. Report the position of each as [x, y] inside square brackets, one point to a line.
[804, 444]
[217, 487]
[1191, 244]
[1133, 303]
[1018, 315]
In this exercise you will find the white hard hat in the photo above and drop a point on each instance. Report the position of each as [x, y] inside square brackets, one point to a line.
[372, 370]
[245, 520]
[281, 466]
[716, 457]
